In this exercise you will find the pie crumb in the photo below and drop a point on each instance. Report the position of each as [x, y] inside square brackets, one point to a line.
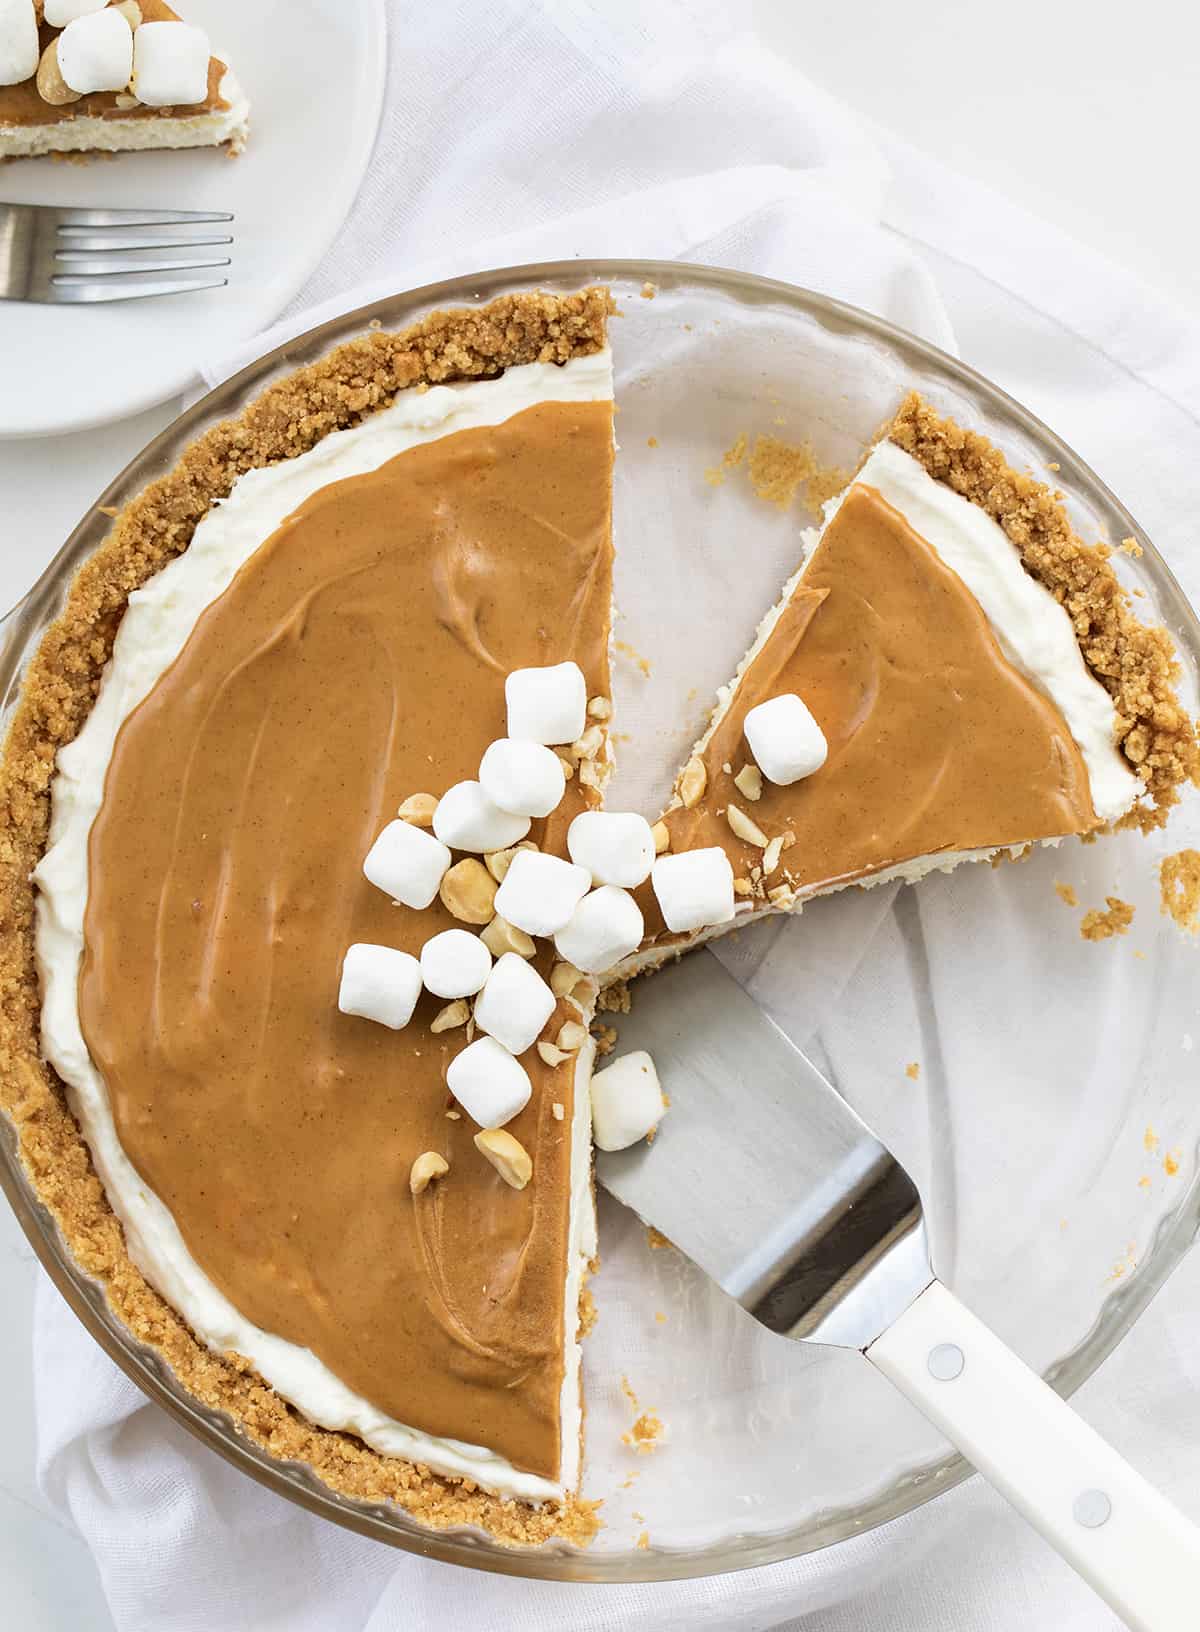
[1101, 926]
[656, 1239]
[1179, 880]
[646, 1435]
[651, 441]
[913, 1070]
[1130, 546]
[1066, 894]
[648, 291]
[643, 1540]
[588, 1313]
[615, 999]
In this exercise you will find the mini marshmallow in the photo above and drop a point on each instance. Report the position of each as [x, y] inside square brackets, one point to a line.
[514, 1005]
[615, 847]
[522, 777]
[627, 1101]
[408, 863]
[488, 1083]
[787, 743]
[605, 927]
[170, 64]
[455, 963]
[96, 53]
[547, 705]
[59, 13]
[539, 892]
[466, 819]
[379, 983]
[694, 889]
[20, 52]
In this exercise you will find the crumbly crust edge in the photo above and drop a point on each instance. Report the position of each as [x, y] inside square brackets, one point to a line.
[59, 687]
[1134, 662]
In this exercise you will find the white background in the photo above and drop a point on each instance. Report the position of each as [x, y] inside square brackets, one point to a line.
[1084, 113]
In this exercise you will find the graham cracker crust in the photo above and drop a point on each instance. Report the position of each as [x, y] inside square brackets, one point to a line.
[60, 686]
[1134, 663]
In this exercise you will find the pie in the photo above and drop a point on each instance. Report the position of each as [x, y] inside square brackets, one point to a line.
[80, 76]
[293, 649]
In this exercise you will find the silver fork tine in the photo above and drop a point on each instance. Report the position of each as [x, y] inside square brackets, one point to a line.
[91, 291]
[137, 218]
[107, 241]
[95, 265]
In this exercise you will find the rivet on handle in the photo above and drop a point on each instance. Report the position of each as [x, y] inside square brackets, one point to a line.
[946, 1362]
[1092, 1509]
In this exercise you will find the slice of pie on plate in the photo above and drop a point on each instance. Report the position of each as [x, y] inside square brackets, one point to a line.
[289, 662]
[111, 76]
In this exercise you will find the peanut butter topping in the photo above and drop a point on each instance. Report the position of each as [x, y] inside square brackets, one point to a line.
[359, 655]
[936, 742]
[22, 105]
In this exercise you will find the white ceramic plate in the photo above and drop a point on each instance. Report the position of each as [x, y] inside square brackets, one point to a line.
[314, 73]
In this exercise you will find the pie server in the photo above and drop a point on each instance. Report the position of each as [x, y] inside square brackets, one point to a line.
[766, 1179]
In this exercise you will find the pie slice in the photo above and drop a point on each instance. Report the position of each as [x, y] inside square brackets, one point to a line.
[71, 82]
[979, 678]
[302, 637]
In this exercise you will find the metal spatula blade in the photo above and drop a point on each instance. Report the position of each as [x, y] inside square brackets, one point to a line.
[766, 1179]
[762, 1173]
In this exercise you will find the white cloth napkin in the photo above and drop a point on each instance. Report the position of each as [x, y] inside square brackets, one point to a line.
[515, 132]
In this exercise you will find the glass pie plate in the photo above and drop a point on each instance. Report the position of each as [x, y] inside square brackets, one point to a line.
[1053, 1124]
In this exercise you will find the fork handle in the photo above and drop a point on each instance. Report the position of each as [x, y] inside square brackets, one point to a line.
[1122, 1536]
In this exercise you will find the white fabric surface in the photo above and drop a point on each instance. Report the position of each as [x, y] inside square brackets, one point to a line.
[515, 132]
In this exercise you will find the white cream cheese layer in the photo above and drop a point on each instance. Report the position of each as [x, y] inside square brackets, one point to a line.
[159, 619]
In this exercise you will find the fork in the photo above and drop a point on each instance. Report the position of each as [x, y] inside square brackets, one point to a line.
[72, 257]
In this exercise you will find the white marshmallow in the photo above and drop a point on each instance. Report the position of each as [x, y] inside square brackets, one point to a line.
[787, 743]
[522, 777]
[605, 927]
[96, 53]
[466, 819]
[539, 893]
[694, 889]
[19, 48]
[627, 1101]
[170, 64]
[488, 1083]
[547, 705]
[380, 983]
[615, 847]
[59, 13]
[514, 1005]
[455, 963]
[408, 863]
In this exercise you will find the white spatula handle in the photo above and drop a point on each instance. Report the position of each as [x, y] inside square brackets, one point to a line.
[1137, 1550]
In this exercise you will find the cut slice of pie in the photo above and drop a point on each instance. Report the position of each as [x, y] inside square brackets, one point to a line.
[977, 673]
[111, 76]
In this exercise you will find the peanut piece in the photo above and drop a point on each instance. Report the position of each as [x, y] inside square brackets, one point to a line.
[662, 838]
[744, 828]
[500, 937]
[593, 773]
[771, 856]
[564, 978]
[507, 1155]
[51, 85]
[427, 1167]
[599, 709]
[557, 1111]
[571, 1036]
[748, 782]
[692, 782]
[468, 891]
[781, 895]
[131, 12]
[551, 1055]
[567, 763]
[454, 1014]
[418, 809]
[589, 744]
[742, 886]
